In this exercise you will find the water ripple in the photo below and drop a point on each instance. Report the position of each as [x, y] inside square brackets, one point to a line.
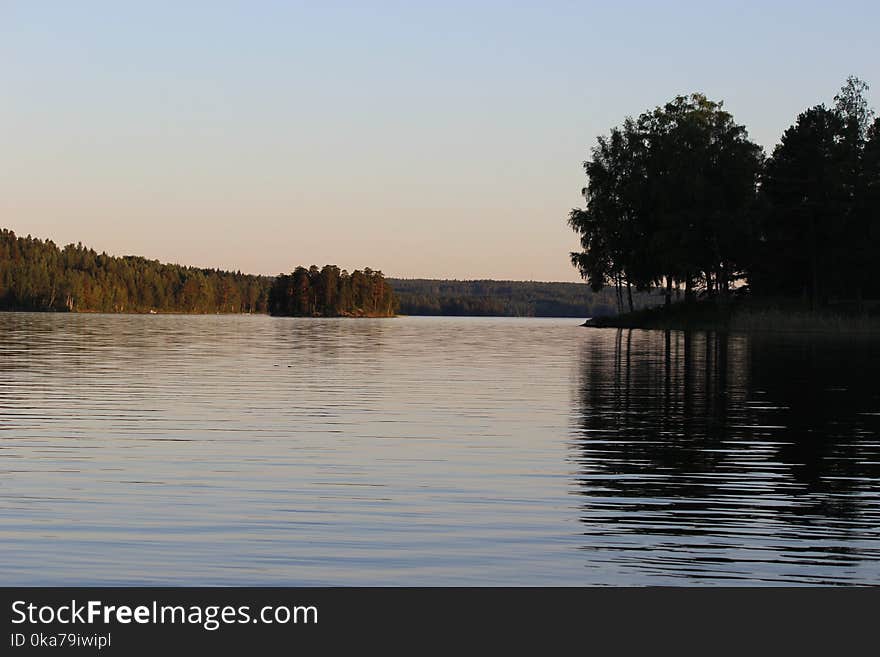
[251, 450]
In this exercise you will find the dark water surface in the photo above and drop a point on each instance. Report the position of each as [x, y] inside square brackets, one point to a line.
[252, 450]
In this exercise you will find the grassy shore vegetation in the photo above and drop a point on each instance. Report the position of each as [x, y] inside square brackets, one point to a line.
[680, 198]
[745, 314]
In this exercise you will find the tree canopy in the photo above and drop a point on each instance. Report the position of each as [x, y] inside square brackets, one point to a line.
[37, 275]
[819, 235]
[668, 198]
[681, 196]
[331, 292]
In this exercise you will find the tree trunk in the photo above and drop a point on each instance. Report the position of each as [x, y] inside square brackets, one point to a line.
[814, 265]
[629, 294]
[668, 296]
[619, 295]
[723, 282]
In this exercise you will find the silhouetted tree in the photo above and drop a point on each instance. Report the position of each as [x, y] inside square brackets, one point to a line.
[851, 103]
[817, 238]
[669, 197]
[682, 197]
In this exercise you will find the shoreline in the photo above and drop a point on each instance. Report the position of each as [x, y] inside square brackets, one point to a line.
[741, 316]
[183, 313]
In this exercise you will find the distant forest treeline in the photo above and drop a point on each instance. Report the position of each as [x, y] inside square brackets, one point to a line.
[508, 298]
[38, 275]
[680, 197]
[331, 292]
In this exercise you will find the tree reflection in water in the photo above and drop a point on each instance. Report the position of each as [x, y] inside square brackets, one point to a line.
[730, 455]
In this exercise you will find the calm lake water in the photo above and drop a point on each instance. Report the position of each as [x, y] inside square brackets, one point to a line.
[432, 451]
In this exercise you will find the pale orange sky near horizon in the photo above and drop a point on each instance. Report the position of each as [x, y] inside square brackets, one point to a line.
[435, 142]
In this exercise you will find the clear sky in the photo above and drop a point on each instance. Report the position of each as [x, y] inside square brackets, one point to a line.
[431, 139]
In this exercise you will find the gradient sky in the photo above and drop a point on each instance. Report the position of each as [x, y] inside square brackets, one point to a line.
[423, 139]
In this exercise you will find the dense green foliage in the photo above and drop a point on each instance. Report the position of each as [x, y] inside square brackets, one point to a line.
[331, 292]
[682, 197]
[507, 298]
[37, 275]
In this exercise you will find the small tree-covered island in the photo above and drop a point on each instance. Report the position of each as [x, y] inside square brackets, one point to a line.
[331, 292]
[682, 200]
